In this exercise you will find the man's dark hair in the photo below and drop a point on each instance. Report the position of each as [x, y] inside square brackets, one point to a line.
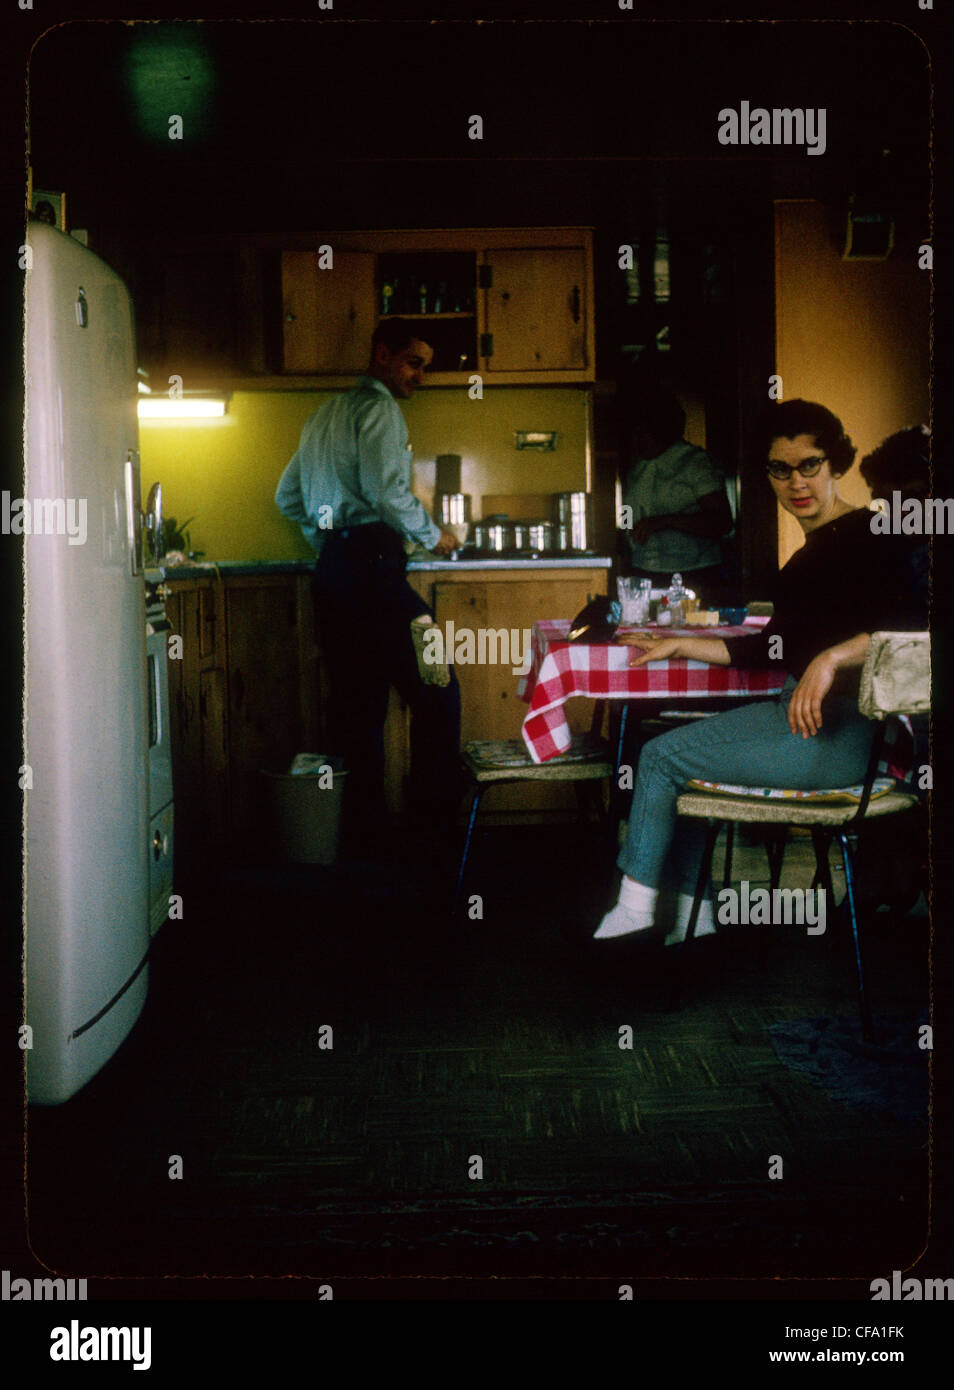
[788, 419]
[900, 463]
[395, 334]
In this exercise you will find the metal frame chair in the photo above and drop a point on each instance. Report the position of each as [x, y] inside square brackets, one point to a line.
[589, 759]
[895, 680]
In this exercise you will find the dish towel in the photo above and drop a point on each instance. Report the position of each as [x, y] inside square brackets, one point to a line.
[425, 648]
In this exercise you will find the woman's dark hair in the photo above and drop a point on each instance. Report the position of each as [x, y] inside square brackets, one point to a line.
[900, 463]
[395, 334]
[788, 419]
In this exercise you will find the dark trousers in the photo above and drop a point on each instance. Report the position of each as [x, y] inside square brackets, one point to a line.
[364, 606]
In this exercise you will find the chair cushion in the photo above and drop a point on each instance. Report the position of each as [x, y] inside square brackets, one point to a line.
[762, 811]
[829, 795]
[509, 759]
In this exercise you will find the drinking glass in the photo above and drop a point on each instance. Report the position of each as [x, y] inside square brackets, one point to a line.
[632, 602]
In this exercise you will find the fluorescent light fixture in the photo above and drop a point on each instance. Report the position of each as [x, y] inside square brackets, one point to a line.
[184, 408]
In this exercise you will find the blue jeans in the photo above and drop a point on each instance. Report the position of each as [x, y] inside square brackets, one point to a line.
[752, 746]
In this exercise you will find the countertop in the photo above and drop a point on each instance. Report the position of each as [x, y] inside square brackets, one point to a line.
[226, 568]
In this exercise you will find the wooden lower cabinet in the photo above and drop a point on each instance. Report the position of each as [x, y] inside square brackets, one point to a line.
[490, 705]
[197, 686]
[272, 691]
[244, 695]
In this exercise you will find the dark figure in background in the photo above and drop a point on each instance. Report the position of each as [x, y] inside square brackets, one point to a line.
[901, 463]
[349, 488]
[893, 858]
[677, 494]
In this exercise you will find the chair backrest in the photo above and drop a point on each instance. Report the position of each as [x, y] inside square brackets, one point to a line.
[896, 678]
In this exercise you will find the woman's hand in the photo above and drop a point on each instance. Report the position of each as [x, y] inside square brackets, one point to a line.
[804, 708]
[654, 648]
[657, 648]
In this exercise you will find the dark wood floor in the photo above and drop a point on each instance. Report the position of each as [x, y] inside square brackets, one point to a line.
[496, 1038]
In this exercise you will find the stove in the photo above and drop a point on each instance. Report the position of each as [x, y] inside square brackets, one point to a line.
[161, 843]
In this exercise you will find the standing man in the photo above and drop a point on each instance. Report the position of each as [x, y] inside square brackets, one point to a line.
[349, 488]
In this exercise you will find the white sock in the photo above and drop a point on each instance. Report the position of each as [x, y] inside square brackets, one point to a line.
[634, 911]
[637, 897]
[705, 922]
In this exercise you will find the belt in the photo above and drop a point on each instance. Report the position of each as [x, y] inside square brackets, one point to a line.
[373, 539]
[362, 532]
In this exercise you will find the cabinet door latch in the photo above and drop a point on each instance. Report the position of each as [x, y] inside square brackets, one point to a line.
[485, 277]
[486, 345]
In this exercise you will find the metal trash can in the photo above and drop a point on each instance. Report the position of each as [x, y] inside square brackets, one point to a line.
[303, 809]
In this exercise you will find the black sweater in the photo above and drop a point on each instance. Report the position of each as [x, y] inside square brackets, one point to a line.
[842, 581]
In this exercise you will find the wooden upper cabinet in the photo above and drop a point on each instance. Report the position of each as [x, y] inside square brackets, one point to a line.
[516, 306]
[328, 314]
[536, 310]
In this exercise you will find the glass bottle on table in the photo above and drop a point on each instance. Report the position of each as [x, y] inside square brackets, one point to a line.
[644, 602]
[677, 597]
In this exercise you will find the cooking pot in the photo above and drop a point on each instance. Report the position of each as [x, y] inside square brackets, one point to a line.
[499, 537]
[520, 536]
[452, 508]
[574, 510]
[540, 536]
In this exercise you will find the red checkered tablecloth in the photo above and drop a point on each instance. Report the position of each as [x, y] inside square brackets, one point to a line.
[561, 669]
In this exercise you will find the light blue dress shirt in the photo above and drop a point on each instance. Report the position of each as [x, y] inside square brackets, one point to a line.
[354, 458]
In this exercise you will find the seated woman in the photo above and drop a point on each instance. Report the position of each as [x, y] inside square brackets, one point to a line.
[843, 584]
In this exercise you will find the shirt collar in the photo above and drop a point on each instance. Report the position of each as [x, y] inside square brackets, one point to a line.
[372, 383]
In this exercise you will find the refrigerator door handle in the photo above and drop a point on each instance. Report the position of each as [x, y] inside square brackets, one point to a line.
[133, 511]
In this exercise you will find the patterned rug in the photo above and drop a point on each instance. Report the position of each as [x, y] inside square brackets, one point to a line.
[889, 1075]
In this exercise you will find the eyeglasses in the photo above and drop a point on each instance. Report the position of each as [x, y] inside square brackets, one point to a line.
[783, 471]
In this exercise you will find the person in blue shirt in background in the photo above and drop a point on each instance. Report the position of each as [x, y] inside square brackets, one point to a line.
[680, 510]
[349, 488]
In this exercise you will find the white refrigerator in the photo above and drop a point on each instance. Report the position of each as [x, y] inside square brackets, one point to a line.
[85, 759]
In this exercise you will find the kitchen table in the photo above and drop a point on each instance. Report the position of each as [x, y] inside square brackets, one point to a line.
[560, 669]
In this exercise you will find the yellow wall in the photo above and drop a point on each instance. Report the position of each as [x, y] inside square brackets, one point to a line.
[224, 472]
[852, 335]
